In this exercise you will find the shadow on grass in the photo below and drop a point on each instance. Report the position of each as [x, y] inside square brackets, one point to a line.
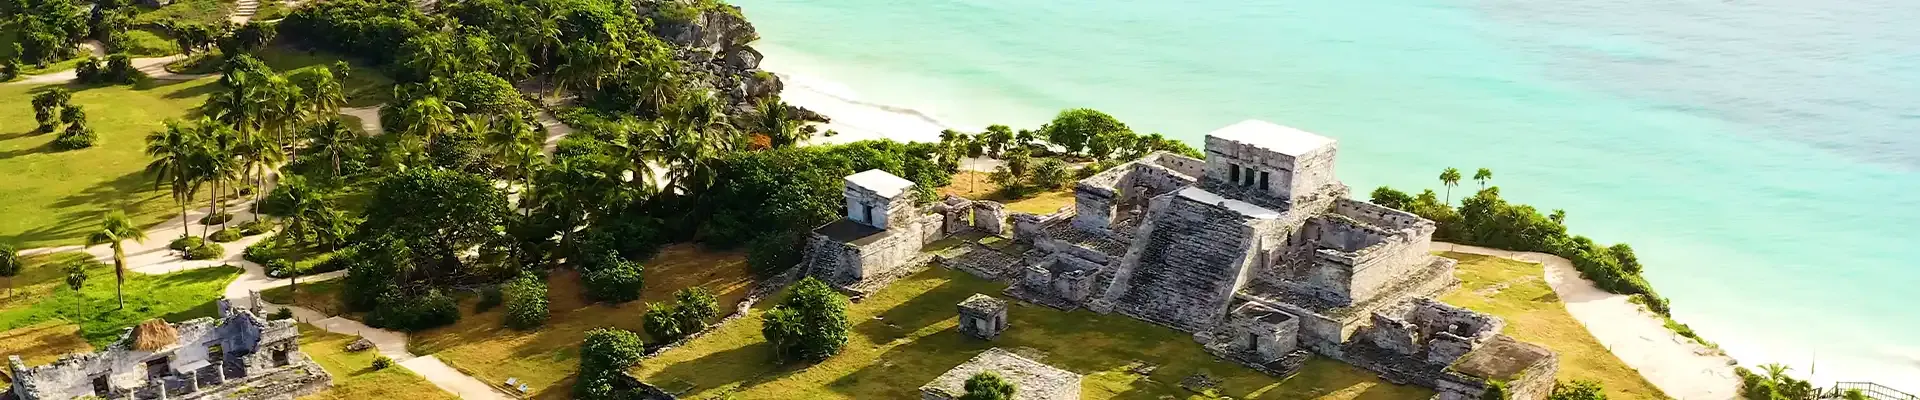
[125, 192]
[898, 373]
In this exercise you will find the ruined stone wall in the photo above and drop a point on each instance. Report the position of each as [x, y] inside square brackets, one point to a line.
[932, 228]
[1257, 333]
[1027, 227]
[1289, 176]
[1191, 167]
[1392, 334]
[989, 217]
[1435, 316]
[1317, 332]
[243, 339]
[1093, 206]
[1190, 259]
[894, 250]
[831, 260]
[1381, 216]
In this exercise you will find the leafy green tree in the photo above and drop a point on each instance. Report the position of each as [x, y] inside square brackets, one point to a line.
[1073, 129]
[659, 322]
[611, 278]
[333, 138]
[604, 354]
[996, 139]
[324, 93]
[1390, 198]
[439, 213]
[988, 385]
[774, 118]
[526, 298]
[693, 307]
[1050, 174]
[116, 228]
[811, 324]
[76, 274]
[1483, 176]
[1450, 178]
[1578, 390]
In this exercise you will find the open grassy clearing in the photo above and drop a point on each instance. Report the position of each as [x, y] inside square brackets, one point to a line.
[52, 197]
[174, 297]
[186, 11]
[546, 358]
[353, 373]
[905, 336]
[975, 185]
[1518, 292]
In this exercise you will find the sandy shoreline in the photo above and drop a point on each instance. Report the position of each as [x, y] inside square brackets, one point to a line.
[1678, 366]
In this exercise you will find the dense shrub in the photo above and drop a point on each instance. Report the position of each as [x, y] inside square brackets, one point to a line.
[1578, 390]
[811, 324]
[373, 30]
[526, 298]
[77, 136]
[88, 71]
[184, 243]
[255, 227]
[988, 385]
[225, 235]
[605, 354]
[428, 310]
[281, 313]
[120, 70]
[489, 298]
[693, 307]
[381, 362]
[659, 322]
[794, 189]
[610, 278]
[216, 219]
[206, 251]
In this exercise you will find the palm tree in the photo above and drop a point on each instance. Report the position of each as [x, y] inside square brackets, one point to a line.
[114, 229]
[427, 118]
[214, 162]
[773, 118]
[330, 137]
[1450, 178]
[10, 265]
[324, 93]
[1483, 175]
[284, 109]
[173, 150]
[257, 153]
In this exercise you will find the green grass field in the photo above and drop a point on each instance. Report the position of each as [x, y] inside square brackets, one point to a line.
[186, 11]
[905, 335]
[51, 197]
[44, 296]
[353, 373]
[1518, 292]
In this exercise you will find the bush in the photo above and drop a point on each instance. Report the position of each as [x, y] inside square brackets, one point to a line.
[660, 322]
[282, 313]
[612, 279]
[225, 235]
[811, 324]
[1578, 390]
[526, 299]
[216, 219]
[693, 307]
[605, 353]
[206, 251]
[255, 227]
[88, 70]
[120, 70]
[489, 298]
[182, 244]
[429, 310]
[988, 385]
[382, 362]
[76, 136]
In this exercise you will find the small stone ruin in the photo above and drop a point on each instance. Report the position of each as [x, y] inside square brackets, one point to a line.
[983, 317]
[238, 356]
[1031, 379]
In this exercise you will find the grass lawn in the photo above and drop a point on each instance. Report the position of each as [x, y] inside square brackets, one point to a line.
[53, 197]
[185, 11]
[546, 358]
[353, 373]
[174, 297]
[905, 335]
[364, 85]
[975, 185]
[1518, 292]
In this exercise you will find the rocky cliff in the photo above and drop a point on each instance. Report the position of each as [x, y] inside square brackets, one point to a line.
[713, 39]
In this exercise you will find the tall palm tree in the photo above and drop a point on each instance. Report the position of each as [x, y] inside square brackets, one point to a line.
[1483, 175]
[1450, 178]
[257, 154]
[427, 118]
[324, 93]
[771, 117]
[114, 229]
[284, 108]
[331, 137]
[214, 163]
[173, 150]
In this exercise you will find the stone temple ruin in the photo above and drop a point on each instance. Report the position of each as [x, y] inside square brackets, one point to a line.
[1032, 380]
[1258, 251]
[237, 356]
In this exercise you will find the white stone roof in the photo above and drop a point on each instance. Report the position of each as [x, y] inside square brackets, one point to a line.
[880, 182]
[1273, 137]
[1032, 380]
[1244, 208]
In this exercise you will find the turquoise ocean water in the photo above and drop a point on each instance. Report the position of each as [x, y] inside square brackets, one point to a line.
[1763, 156]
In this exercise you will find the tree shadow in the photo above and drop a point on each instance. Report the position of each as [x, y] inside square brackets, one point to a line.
[203, 89]
[898, 373]
[692, 376]
[21, 152]
[123, 193]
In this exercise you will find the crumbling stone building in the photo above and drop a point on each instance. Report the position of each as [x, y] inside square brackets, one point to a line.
[1261, 254]
[880, 237]
[237, 356]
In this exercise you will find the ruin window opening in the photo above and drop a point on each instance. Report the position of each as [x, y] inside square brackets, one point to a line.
[1247, 178]
[1263, 180]
[280, 357]
[100, 387]
[157, 367]
[1233, 173]
[1253, 342]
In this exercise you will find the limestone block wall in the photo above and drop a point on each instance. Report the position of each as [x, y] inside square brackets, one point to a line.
[1445, 347]
[1317, 332]
[989, 217]
[243, 339]
[1027, 227]
[831, 260]
[1381, 216]
[891, 252]
[1288, 176]
[1435, 316]
[1183, 165]
[1259, 333]
[1093, 207]
[1392, 334]
[932, 228]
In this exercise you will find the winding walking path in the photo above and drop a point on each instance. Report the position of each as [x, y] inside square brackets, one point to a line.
[1682, 368]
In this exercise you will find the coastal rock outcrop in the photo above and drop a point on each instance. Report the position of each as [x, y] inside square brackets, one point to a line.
[711, 39]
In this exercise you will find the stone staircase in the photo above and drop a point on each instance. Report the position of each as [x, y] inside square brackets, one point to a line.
[243, 11]
[1186, 262]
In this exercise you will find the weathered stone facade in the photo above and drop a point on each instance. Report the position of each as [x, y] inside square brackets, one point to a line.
[1258, 252]
[1032, 380]
[238, 356]
[983, 317]
[881, 236]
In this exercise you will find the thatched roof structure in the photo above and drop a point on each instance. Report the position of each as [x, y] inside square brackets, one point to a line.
[154, 334]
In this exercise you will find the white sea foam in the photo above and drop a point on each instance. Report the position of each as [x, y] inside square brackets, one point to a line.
[855, 119]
